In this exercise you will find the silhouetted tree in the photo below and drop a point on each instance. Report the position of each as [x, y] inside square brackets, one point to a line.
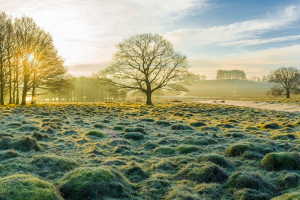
[286, 80]
[147, 63]
[41, 66]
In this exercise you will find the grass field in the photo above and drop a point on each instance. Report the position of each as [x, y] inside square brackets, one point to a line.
[166, 151]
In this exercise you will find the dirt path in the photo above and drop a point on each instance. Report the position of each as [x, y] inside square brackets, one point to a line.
[260, 105]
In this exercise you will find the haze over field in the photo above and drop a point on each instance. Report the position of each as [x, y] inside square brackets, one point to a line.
[254, 36]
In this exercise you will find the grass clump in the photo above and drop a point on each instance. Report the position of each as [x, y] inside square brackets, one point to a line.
[248, 194]
[24, 144]
[135, 129]
[94, 182]
[121, 149]
[251, 128]
[53, 163]
[29, 128]
[225, 125]
[180, 127]
[180, 191]
[211, 191]
[4, 155]
[206, 173]
[281, 161]
[240, 180]
[147, 120]
[14, 124]
[154, 188]
[100, 126]
[134, 172]
[288, 136]
[215, 158]
[239, 148]
[164, 150]
[118, 128]
[197, 124]
[183, 149]
[150, 145]
[95, 133]
[289, 196]
[39, 136]
[26, 187]
[290, 180]
[134, 136]
[162, 123]
[164, 165]
[209, 128]
[270, 126]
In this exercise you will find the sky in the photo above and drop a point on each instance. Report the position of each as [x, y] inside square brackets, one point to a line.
[255, 36]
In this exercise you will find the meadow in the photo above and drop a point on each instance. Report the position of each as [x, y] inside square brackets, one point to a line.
[235, 90]
[131, 151]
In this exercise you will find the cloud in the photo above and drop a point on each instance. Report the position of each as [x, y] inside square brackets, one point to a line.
[233, 33]
[261, 41]
[86, 69]
[96, 25]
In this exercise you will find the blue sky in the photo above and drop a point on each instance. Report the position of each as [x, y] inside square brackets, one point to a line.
[255, 36]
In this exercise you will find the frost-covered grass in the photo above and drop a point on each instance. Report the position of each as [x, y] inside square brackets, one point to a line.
[165, 151]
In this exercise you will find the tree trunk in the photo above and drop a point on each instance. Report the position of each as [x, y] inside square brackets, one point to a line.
[33, 95]
[149, 101]
[288, 94]
[9, 67]
[17, 83]
[14, 90]
[25, 89]
[33, 88]
[2, 92]
[24, 94]
[17, 91]
[1, 82]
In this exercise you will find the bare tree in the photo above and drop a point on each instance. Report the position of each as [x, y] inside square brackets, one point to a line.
[286, 79]
[3, 54]
[41, 66]
[10, 47]
[146, 63]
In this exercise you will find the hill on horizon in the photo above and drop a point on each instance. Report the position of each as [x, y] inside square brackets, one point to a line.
[228, 89]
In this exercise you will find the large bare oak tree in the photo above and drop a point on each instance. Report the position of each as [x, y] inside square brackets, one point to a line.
[147, 63]
[287, 81]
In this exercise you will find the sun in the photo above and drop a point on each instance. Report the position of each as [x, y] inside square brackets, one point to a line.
[30, 57]
[28, 98]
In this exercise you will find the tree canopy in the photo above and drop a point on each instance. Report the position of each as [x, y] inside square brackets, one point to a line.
[230, 74]
[29, 62]
[146, 63]
[286, 80]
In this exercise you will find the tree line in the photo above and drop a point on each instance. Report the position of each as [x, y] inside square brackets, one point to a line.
[230, 74]
[29, 62]
[30, 66]
[85, 89]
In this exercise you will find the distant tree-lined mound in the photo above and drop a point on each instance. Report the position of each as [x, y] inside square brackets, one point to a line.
[230, 74]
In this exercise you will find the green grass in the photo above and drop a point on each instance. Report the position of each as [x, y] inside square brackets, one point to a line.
[95, 133]
[165, 151]
[26, 187]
